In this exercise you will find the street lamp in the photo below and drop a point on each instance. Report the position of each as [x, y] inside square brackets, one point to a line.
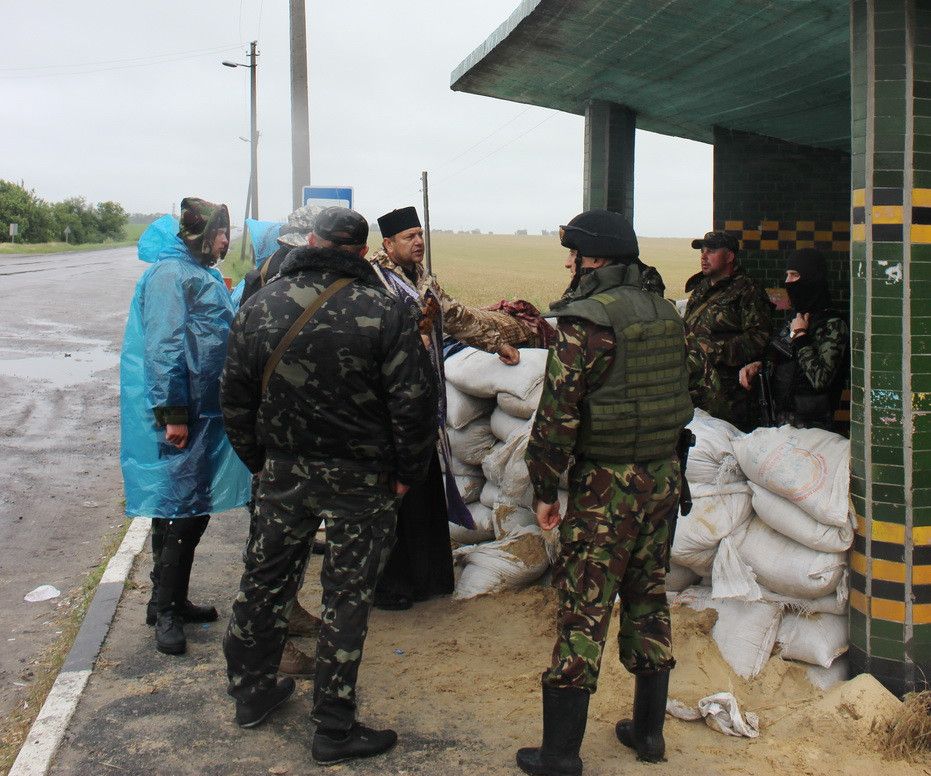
[254, 172]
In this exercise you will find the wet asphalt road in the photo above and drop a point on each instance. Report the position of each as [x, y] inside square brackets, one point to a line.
[61, 327]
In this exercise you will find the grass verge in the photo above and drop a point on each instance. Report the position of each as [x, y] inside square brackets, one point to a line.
[131, 234]
[15, 727]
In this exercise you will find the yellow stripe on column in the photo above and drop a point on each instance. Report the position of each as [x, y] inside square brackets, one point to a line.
[921, 197]
[887, 214]
[858, 232]
[859, 197]
[921, 233]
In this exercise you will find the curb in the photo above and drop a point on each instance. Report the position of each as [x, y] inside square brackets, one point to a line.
[49, 728]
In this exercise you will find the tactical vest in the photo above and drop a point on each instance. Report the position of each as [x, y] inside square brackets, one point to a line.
[636, 415]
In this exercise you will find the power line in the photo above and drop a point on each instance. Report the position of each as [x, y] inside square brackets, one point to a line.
[487, 137]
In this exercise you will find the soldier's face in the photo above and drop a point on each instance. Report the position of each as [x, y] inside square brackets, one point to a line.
[406, 247]
[569, 264]
[220, 243]
[716, 262]
[792, 276]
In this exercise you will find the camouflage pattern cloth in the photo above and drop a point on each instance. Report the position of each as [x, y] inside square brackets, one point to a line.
[199, 223]
[359, 511]
[732, 321]
[484, 329]
[651, 281]
[614, 542]
[704, 383]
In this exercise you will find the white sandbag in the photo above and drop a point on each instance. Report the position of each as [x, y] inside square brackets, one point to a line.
[509, 520]
[470, 488]
[484, 528]
[518, 407]
[720, 711]
[503, 425]
[826, 678]
[478, 373]
[462, 409]
[745, 632]
[818, 639]
[679, 577]
[460, 469]
[808, 466]
[732, 578]
[712, 459]
[473, 442]
[506, 564]
[505, 467]
[832, 603]
[783, 516]
[787, 567]
[489, 494]
[711, 519]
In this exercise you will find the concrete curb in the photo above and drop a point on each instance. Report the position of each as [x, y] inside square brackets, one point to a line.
[47, 731]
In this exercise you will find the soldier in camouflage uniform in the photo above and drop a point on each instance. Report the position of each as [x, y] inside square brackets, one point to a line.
[344, 426]
[730, 315]
[807, 361]
[616, 399]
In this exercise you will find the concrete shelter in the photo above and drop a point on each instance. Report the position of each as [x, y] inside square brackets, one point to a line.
[820, 116]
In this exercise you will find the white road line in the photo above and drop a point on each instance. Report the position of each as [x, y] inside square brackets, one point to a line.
[47, 731]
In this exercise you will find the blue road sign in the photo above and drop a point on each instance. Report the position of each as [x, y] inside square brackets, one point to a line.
[328, 196]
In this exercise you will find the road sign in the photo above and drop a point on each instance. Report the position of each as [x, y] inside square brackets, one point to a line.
[328, 196]
[14, 230]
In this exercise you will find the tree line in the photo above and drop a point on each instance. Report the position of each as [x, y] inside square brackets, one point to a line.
[73, 220]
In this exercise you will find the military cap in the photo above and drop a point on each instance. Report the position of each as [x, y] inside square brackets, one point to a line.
[398, 220]
[341, 226]
[300, 224]
[600, 234]
[715, 240]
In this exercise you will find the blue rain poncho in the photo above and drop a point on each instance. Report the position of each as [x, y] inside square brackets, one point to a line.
[264, 238]
[173, 353]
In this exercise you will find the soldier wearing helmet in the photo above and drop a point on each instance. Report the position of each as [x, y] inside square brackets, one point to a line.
[615, 399]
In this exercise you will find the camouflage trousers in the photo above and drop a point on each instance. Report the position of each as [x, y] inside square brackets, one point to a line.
[359, 511]
[615, 542]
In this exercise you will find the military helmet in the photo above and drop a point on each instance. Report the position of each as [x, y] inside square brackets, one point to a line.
[600, 234]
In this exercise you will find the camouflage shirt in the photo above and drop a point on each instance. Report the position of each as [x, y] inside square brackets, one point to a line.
[483, 329]
[355, 388]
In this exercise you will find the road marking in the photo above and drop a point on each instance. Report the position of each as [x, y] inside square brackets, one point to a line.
[47, 731]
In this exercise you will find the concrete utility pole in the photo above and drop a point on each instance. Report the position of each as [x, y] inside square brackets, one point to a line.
[426, 222]
[255, 132]
[300, 108]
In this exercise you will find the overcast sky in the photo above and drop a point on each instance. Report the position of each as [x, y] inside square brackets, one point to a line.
[129, 102]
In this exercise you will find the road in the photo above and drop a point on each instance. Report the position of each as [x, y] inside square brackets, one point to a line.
[61, 327]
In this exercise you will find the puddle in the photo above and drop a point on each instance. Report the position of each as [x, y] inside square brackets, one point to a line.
[59, 370]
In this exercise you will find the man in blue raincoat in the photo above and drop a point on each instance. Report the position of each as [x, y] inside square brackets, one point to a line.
[178, 465]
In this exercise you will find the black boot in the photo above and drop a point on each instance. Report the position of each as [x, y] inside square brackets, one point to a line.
[180, 541]
[644, 733]
[158, 541]
[332, 747]
[565, 712]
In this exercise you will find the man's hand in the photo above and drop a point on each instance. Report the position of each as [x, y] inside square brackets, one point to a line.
[548, 516]
[799, 323]
[399, 488]
[748, 374]
[176, 434]
[509, 355]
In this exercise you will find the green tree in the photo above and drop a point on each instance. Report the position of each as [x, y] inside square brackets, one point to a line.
[111, 218]
[33, 215]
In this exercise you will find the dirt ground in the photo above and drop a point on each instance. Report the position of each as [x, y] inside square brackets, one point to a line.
[459, 681]
[61, 326]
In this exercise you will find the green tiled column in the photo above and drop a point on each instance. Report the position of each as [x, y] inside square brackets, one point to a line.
[890, 614]
[608, 166]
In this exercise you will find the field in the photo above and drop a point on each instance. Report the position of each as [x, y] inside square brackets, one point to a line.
[131, 233]
[480, 269]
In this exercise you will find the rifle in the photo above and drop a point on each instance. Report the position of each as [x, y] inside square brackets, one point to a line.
[767, 413]
[686, 440]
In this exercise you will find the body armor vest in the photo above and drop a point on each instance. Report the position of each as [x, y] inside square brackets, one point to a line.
[636, 415]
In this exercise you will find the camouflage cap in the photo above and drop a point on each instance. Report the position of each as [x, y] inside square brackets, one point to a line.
[715, 240]
[300, 224]
[200, 222]
[342, 226]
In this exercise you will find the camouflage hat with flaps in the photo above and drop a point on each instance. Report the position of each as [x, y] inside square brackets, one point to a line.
[342, 226]
[300, 224]
[199, 223]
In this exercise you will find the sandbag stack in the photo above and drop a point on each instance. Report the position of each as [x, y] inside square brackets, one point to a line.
[490, 409]
[769, 534]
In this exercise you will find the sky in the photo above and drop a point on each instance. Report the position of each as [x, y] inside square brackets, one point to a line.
[129, 102]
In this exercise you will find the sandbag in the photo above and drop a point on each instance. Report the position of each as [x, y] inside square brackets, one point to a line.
[473, 442]
[505, 467]
[818, 639]
[509, 520]
[489, 494]
[506, 564]
[483, 531]
[808, 466]
[503, 425]
[517, 407]
[787, 567]
[711, 519]
[783, 516]
[470, 488]
[745, 632]
[679, 577]
[482, 374]
[462, 409]
[460, 469]
[826, 678]
[832, 603]
[712, 459]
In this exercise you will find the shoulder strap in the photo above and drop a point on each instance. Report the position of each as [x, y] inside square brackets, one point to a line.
[263, 271]
[299, 324]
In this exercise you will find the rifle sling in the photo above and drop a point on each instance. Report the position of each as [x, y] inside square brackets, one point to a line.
[275, 358]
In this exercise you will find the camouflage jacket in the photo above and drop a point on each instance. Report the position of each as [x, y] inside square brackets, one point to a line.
[483, 329]
[356, 387]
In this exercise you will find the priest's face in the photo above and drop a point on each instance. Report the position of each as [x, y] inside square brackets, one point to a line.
[406, 248]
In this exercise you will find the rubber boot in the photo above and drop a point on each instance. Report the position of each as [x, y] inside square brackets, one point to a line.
[192, 531]
[158, 541]
[644, 733]
[181, 538]
[565, 713]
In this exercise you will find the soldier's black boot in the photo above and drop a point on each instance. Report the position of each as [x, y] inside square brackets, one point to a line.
[191, 532]
[158, 540]
[332, 747]
[644, 733]
[565, 713]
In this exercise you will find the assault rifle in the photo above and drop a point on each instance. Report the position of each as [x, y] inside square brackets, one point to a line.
[767, 412]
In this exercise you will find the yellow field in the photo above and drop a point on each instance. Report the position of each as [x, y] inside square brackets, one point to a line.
[481, 269]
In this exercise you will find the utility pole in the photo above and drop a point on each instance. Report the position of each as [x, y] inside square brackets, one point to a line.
[426, 221]
[255, 132]
[300, 107]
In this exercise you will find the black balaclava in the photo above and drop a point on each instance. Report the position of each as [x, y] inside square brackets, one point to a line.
[810, 293]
